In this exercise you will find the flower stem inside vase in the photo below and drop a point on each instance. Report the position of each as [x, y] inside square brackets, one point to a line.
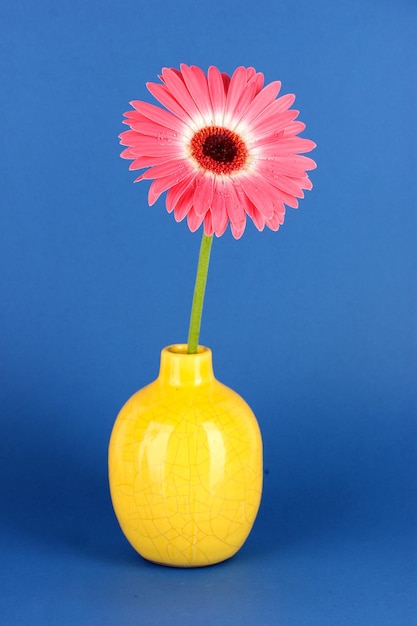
[199, 291]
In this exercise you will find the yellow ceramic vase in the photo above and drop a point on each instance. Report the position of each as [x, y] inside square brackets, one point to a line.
[185, 465]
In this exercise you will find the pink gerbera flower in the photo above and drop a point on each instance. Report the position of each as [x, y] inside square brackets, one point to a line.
[223, 148]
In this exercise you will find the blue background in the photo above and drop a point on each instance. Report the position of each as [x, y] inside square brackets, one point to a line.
[314, 325]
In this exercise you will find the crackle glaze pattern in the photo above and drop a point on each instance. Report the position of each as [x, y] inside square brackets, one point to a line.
[185, 465]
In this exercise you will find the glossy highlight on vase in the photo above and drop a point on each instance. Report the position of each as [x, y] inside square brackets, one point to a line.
[185, 464]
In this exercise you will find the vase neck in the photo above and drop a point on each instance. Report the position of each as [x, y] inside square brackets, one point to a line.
[178, 368]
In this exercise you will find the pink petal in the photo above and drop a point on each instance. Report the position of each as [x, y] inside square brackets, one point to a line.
[234, 205]
[288, 199]
[272, 125]
[259, 193]
[219, 217]
[245, 100]
[237, 84]
[180, 92]
[242, 199]
[143, 126]
[128, 137]
[155, 190]
[196, 83]
[284, 102]
[158, 135]
[126, 154]
[208, 226]
[260, 101]
[175, 169]
[256, 216]
[259, 82]
[217, 93]
[294, 128]
[259, 78]
[283, 145]
[164, 96]
[220, 223]
[152, 147]
[216, 221]
[275, 221]
[238, 230]
[140, 163]
[286, 146]
[226, 82]
[158, 186]
[134, 116]
[158, 115]
[250, 72]
[218, 209]
[236, 213]
[185, 205]
[288, 165]
[203, 194]
[306, 183]
[194, 221]
[280, 105]
[147, 161]
[291, 186]
[222, 230]
[176, 192]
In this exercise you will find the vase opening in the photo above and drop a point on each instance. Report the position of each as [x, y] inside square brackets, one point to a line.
[181, 348]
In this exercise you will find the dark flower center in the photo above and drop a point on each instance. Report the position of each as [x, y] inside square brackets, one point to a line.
[218, 150]
[220, 147]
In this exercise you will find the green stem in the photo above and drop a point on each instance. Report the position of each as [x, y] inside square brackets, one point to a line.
[199, 290]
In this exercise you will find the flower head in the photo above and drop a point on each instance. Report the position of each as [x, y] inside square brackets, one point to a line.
[223, 148]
